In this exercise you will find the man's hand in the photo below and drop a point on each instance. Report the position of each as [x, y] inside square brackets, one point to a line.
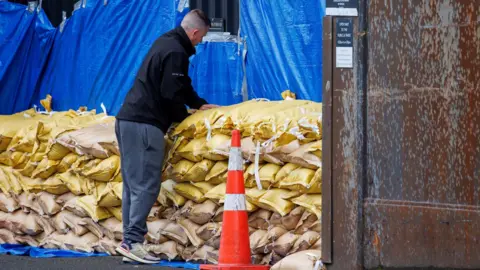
[208, 107]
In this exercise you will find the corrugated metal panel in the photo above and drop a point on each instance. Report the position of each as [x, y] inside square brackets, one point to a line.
[226, 9]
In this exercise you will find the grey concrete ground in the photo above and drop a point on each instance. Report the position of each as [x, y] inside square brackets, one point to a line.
[8, 262]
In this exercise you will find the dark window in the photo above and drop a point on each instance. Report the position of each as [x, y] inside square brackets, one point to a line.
[228, 10]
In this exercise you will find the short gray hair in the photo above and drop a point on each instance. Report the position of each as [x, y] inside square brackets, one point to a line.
[195, 19]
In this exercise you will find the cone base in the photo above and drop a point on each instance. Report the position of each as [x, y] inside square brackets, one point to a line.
[233, 267]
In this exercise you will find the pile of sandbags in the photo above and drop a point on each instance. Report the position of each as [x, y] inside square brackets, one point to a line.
[61, 185]
[281, 146]
[60, 182]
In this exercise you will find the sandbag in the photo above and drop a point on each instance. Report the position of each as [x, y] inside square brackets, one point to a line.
[308, 155]
[92, 140]
[112, 228]
[73, 222]
[45, 169]
[44, 223]
[203, 213]
[168, 189]
[312, 202]
[256, 239]
[11, 177]
[214, 242]
[218, 217]
[299, 180]
[54, 185]
[109, 246]
[276, 200]
[285, 243]
[317, 226]
[53, 241]
[155, 212]
[8, 204]
[23, 239]
[304, 242]
[303, 260]
[249, 175]
[190, 192]
[66, 162]
[204, 187]
[4, 182]
[190, 229]
[209, 230]
[73, 206]
[260, 219]
[201, 254]
[25, 140]
[63, 199]
[217, 193]
[105, 170]
[108, 198]
[290, 221]
[217, 148]
[306, 222]
[155, 228]
[284, 172]
[24, 223]
[116, 212]
[94, 211]
[8, 237]
[266, 244]
[83, 243]
[168, 249]
[28, 202]
[253, 195]
[193, 150]
[58, 222]
[179, 170]
[316, 183]
[199, 171]
[73, 182]
[176, 233]
[267, 175]
[92, 226]
[196, 124]
[218, 173]
[48, 203]
[29, 168]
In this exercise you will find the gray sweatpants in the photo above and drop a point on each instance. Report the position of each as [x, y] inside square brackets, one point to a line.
[142, 149]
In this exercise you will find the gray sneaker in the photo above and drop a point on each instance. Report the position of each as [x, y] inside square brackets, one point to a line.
[137, 253]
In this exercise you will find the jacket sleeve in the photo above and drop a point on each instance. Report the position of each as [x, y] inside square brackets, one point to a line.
[177, 86]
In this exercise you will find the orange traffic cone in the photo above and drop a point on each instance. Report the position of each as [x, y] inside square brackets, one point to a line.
[235, 242]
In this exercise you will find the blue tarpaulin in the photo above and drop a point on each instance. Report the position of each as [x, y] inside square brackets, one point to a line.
[216, 72]
[284, 41]
[25, 41]
[21, 250]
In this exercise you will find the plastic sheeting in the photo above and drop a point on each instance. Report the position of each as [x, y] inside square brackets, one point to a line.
[96, 57]
[216, 72]
[21, 250]
[25, 41]
[284, 42]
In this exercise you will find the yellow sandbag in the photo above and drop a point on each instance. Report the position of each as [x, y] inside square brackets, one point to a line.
[87, 166]
[203, 186]
[308, 155]
[90, 187]
[108, 198]
[193, 150]
[97, 213]
[267, 175]
[316, 183]
[310, 126]
[253, 195]
[12, 123]
[199, 171]
[45, 169]
[249, 175]
[4, 182]
[73, 182]
[25, 140]
[312, 202]
[287, 94]
[298, 179]
[273, 200]
[217, 193]
[217, 174]
[285, 172]
[180, 169]
[55, 186]
[168, 188]
[40, 153]
[190, 192]
[28, 169]
[67, 162]
[116, 212]
[13, 159]
[13, 180]
[196, 124]
[105, 170]
[118, 190]
[218, 147]
[172, 154]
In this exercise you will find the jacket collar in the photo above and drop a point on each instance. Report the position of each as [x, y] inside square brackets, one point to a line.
[180, 35]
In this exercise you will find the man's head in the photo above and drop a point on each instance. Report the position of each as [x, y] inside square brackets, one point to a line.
[196, 25]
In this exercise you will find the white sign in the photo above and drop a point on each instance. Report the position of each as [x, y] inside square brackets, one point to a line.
[344, 57]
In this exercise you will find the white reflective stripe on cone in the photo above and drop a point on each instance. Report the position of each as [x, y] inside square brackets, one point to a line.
[235, 161]
[234, 202]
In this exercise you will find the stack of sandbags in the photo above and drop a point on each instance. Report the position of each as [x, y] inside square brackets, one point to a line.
[60, 180]
[281, 145]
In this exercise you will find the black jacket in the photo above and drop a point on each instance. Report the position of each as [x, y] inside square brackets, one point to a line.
[162, 87]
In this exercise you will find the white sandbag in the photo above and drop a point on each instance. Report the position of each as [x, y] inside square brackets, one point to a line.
[190, 229]
[285, 243]
[201, 254]
[73, 222]
[203, 213]
[209, 230]
[75, 208]
[8, 204]
[27, 202]
[112, 228]
[154, 235]
[304, 242]
[260, 219]
[303, 260]
[63, 199]
[109, 246]
[48, 203]
[92, 226]
[176, 233]
[25, 240]
[168, 250]
[7, 237]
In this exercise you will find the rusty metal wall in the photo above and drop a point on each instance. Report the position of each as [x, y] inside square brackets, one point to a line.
[405, 138]
[226, 9]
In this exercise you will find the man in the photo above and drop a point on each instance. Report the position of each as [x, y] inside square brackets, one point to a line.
[158, 97]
